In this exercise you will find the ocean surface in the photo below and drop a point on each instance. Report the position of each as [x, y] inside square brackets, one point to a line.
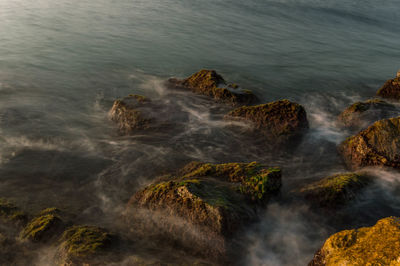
[63, 63]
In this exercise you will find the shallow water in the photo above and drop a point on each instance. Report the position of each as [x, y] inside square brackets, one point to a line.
[63, 63]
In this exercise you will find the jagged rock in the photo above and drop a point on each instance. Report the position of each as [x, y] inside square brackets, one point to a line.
[84, 245]
[10, 213]
[47, 225]
[361, 114]
[280, 121]
[391, 89]
[215, 200]
[376, 245]
[336, 190]
[378, 145]
[134, 112]
[210, 83]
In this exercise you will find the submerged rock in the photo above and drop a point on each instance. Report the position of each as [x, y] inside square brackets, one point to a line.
[391, 89]
[361, 114]
[376, 245]
[378, 145]
[84, 245]
[215, 200]
[47, 225]
[10, 213]
[210, 83]
[280, 121]
[132, 113]
[335, 191]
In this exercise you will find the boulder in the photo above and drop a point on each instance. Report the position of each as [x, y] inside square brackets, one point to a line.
[215, 200]
[132, 113]
[210, 83]
[280, 121]
[391, 89]
[378, 145]
[336, 190]
[47, 225]
[361, 114]
[375, 245]
[84, 245]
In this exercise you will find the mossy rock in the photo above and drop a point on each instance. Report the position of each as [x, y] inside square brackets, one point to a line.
[335, 191]
[280, 121]
[47, 225]
[390, 90]
[375, 245]
[10, 213]
[132, 113]
[378, 145]
[80, 245]
[361, 114]
[214, 200]
[210, 83]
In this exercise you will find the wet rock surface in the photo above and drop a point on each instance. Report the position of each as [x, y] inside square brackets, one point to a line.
[361, 114]
[391, 89]
[281, 122]
[210, 83]
[376, 245]
[378, 145]
[336, 190]
[214, 200]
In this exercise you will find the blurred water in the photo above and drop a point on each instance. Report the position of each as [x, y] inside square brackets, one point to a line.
[63, 63]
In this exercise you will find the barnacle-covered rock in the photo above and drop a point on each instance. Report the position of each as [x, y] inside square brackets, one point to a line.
[391, 89]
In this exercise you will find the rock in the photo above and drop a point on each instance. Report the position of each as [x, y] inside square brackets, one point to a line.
[376, 245]
[132, 113]
[378, 145]
[210, 83]
[10, 213]
[47, 225]
[281, 121]
[213, 200]
[335, 191]
[391, 89]
[84, 245]
[361, 114]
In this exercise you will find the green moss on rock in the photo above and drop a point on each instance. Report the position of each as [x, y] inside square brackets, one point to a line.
[390, 90]
[280, 121]
[210, 83]
[376, 245]
[336, 190]
[378, 145]
[42, 228]
[79, 243]
[361, 114]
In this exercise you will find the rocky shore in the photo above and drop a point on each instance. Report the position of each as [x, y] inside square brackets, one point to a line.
[203, 208]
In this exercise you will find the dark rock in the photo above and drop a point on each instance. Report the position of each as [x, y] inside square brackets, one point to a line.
[213, 200]
[9, 213]
[281, 121]
[378, 145]
[361, 114]
[391, 89]
[376, 245]
[210, 83]
[335, 191]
